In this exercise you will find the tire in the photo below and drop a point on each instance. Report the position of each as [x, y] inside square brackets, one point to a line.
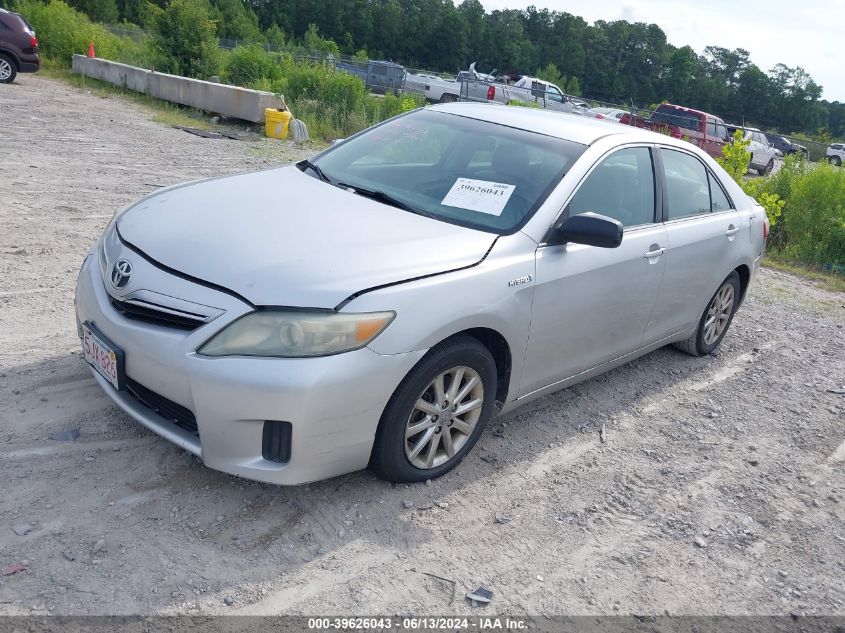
[403, 458]
[768, 168]
[8, 69]
[836, 161]
[703, 342]
[448, 97]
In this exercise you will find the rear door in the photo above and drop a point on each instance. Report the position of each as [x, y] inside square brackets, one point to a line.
[591, 304]
[703, 231]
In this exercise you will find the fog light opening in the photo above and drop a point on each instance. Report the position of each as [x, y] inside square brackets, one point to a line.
[275, 441]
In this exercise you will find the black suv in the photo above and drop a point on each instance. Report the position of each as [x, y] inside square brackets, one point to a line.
[18, 47]
[786, 146]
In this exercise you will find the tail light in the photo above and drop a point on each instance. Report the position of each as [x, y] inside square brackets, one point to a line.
[766, 228]
[491, 93]
[33, 42]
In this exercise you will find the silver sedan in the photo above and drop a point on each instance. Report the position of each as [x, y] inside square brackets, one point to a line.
[378, 304]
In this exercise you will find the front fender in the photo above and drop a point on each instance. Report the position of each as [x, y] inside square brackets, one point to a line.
[496, 294]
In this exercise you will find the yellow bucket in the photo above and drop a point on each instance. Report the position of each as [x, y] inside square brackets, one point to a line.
[276, 123]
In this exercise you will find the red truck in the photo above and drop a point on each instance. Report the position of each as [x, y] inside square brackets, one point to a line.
[707, 131]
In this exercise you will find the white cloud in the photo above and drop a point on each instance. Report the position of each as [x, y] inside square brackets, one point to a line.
[806, 33]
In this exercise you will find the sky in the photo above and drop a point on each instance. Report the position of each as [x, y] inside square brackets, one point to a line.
[806, 33]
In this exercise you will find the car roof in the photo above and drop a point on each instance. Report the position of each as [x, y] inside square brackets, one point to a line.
[562, 125]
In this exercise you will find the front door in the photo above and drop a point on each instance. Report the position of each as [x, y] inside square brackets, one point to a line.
[592, 304]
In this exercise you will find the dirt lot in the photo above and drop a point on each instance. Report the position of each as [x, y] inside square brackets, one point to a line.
[720, 489]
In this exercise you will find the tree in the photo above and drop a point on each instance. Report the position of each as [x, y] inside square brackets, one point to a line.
[97, 10]
[185, 39]
[234, 21]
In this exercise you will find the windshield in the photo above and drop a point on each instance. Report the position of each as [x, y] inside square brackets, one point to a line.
[453, 168]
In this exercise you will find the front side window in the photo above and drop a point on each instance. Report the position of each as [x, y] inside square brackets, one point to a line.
[620, 187]
[554, 94]
[687, 185]
[453, 168]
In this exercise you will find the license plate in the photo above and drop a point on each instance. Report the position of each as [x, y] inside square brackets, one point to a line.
[103, 355]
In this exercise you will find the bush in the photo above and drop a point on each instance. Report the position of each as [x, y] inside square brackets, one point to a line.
[814, 217]
[63, 32]
[250, 66]
[185, 40]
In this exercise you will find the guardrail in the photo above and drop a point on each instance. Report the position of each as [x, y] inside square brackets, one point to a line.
[229, 101]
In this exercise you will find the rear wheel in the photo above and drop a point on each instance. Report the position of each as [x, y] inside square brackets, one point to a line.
[716, 319]
[437, 413]
[448, 97]
[769, 167]
[836, 161]
[8, 69]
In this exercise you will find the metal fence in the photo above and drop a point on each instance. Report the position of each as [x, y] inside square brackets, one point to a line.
[386, 76]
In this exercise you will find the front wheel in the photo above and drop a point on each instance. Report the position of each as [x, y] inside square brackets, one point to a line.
[437, 413]
[716, 319]
[836, 161]
[8, 69]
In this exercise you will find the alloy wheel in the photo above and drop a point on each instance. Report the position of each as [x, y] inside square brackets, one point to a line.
[719, 313]
[444, 417]
[5, 69]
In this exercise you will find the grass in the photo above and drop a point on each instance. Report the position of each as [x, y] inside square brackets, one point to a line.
[827, 280]
[164, 112]
[170, 114]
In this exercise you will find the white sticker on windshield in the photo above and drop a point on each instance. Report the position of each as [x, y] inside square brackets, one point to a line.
[479, 195]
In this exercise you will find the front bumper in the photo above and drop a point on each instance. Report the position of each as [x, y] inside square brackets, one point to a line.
[333, 403]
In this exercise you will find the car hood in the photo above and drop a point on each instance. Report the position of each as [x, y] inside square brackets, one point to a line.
[280, 237]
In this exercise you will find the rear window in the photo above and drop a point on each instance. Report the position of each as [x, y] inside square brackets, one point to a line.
[16, 22]
[677, 117]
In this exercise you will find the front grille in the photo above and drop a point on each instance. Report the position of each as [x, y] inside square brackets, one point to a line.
[169, 410]
[158, 315]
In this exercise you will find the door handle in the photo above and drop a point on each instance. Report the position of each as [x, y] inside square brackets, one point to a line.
[655, 253]
[732, 230]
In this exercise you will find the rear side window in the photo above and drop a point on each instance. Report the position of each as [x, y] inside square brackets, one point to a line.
[718, 198]
[687, 185]
[620, 187]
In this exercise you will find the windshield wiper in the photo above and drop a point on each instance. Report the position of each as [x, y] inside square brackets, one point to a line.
[386, 198]
[307, 164]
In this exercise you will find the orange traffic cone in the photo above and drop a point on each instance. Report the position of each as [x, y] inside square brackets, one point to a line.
[91, 50]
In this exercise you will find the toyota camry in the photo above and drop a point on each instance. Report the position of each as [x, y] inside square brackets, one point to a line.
[378, 304]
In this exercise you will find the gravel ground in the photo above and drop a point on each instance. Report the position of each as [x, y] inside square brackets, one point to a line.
[720, 488]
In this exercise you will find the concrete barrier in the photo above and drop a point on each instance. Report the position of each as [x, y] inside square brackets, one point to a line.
[229, 101]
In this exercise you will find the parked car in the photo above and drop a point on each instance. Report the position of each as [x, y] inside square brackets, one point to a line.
[787, 147]
[836, 153]
[704, 130]
[613, 114]
[380, 77]
[18, 47]
[763, 154]
[381, 302]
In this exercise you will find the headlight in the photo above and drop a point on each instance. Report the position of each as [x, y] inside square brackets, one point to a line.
[293, 334]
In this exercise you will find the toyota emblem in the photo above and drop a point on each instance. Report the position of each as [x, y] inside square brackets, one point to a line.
[120, 273]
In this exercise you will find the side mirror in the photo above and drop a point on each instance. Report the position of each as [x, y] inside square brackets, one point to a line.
[591, 229]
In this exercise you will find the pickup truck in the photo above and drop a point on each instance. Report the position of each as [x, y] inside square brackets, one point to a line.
[705, 130]
[474, 86]
[524, 89]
